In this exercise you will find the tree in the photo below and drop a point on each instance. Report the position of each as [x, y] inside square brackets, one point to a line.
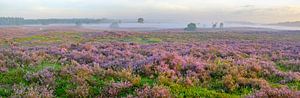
[214, 25]
[221, 25]
[191, 27]
[78, 23]
[141, 20]
[114, 25]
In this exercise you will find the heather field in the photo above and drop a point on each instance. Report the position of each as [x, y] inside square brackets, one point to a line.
[82, 62]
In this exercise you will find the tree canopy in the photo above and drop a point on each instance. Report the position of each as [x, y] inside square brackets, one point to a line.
[77, 21]
[141, 20]
[191, 27]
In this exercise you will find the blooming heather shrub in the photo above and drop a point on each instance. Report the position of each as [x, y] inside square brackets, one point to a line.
[89, 47]
[79, 91]
[83, 57]
[33, 92]
[275, 93]
[115, 88]
[121, 69]
[3, 69]
[79, 73]
[38, 56]
[229, 83]
[254, 83]
[43, 77]
[156, 92]
[17, 57]
[286, 65]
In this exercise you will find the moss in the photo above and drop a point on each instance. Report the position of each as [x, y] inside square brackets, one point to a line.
[282, 67]
[197, 91]
[141, 39]
[30, 38]
[97, 84]
[294, 85]
[128, 91]
[43, 65]
[9, 78]
[274, 79]
[13, 76]
[63, 84]
[243, 90]
[5, 91]
[286, 68]
[152, 40]
[217, 85]
[148, 81]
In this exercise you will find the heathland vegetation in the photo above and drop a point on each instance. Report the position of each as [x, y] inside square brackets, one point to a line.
[165, 64]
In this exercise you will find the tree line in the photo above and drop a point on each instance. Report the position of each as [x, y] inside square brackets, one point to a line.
[77, 21]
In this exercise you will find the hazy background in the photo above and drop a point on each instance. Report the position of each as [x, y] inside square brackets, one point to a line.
[259, 11]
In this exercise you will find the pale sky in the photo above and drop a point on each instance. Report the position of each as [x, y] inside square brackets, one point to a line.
[261, 11]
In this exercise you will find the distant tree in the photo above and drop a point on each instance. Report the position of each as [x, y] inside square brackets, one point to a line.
[114, 25]
[141, 20]
[78, 23]
[221, 25]
[214, 25]
[44, 23]
[191, 27]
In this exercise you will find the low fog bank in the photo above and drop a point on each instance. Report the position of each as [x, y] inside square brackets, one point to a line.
[165, 26]
[182, 25]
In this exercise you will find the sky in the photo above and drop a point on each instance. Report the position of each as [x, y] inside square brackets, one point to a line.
[259, 11]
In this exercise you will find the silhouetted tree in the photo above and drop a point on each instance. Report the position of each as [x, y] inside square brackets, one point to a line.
[141, 20]
[214, 25]
[191, 27]
[221, 25]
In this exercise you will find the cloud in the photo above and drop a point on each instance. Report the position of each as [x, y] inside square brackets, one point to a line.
[268, 15]
[253, 10]
[248, 6]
